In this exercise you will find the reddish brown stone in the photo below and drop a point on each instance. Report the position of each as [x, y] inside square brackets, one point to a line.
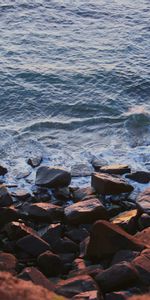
[50, 264]
[116, 169]
[143, 201]
[83, 193]
[53, 232]
[33, 245]
[8, 263]
[45, 211]
[142, 264]
[77, 234]
[64, 245]
[91, 295]
[16, 230]
[144, 236]
[8, 214]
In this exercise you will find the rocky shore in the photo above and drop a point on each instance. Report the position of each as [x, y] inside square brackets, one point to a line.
[59, 241]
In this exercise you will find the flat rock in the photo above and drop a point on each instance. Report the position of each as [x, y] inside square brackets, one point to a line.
[117, 277]
[34, 161]
[3, 170]
[50, 264]
[12, 288]
[80, 170]
[17, 230]
[86, 211]
[139, 176]
[143, 201]
[8, 263]
[33, 245]
[5, 197]
[127, 220]
[45, 211]
[75, 285]
[84, 194]
[103, 235]
[106, 184]
[52, 177]
[115, 169]
[91, 295]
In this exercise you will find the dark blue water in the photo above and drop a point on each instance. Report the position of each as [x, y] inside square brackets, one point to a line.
[75, 80]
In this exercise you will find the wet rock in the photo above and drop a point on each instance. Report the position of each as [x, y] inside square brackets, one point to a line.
[117, 277]
[21, 194]
[90, 295]
[98, 163]
[77, 234]
[34, 161]
[127, 220]
[17, 230]
[22, 174]
[52, 177]
[67, 258]
[50, 264]
[124, 255]
[116, 169]
[144, 221]
[12, 288]
[64, 245]
[84, 194]
[75, 285]
[103, 235]
[143, 201]
[86, 211]
[53, 232]
[8, 262]
[106, 184]
[45, 212]
[8, 214]
[144, 236]
[3, 170]
[139, 176]
[5, 197]
[80, 170]
[33, 245]
[142, 264]
[63, 194]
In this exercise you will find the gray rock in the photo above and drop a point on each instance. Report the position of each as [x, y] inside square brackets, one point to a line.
[52, 177]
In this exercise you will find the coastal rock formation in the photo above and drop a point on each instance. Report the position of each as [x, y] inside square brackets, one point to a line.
[52, 177]
[106, 184]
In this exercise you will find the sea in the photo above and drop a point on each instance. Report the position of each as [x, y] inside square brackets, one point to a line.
[75, 82]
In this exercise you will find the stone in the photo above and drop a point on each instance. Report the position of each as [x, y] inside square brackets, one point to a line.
[50, 264]
[98, 163]
[33, 245]
[143, 201]
[124, 255]
[22, 174]
[45, 211]
[127, 220]
[38, 278]
[102, 237]
[34, 161]
[17, 230]
[90, 295]
[80, 170]
[139, 176]
[53, 177]
[5, 197]
[121, 295]
[83, 194]
[8, 214]
[117, 277]
[8, 263]
[75, 285]
[53, 232]
[86, 211]
[21, 194]
[13, 288]
[106, 184]
[144, 236]
[3, 170]
[144, 221]
[142, 264]
[117, 169]
[140, 297]
[77, 234]
[64, 245]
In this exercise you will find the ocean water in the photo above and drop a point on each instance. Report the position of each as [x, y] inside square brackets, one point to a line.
[75, 81]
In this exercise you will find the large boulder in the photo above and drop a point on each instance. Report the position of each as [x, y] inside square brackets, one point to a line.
[12, 288]
[86, 211]
[106, 184]
[143, 201]
[107, 238]
[52, 177]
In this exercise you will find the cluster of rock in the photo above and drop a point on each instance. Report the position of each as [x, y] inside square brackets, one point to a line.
[78, 243]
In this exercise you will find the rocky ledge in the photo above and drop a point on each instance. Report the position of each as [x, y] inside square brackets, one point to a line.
[63, 242]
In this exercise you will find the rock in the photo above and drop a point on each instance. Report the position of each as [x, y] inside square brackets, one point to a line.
[52, 177]
[144, 236]
[64, 245]
[33, 245]
[144, 221]
[34, 275]
[16, 230]
[98, 163]
[140, 297]
[22, 174]
[83, 194]
[117, 277]
[139, 176]
[12, 288]
[8, 214]
[142, 264]
[21, 194]
[53, 232]
[127, 220]
[121, 295]
[5, 197]
[106, 184]
[45, 212]
[124, 255]
[143, 201]
[80, 170]
[103, 235]
[34, 161]
[116, 169]
[90, 295]
[77, 234]
[75, 285]
[3, 170]
[86, 211]
[8, 263]
[50, 264]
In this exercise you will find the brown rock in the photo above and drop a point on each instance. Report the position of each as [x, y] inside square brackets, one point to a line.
[8, 262]
[16, 230]
[86, 211]
[140, 297]
[5, 197]
[33, 245]
[8, 214]
[50, 264]
[75, 285]
[53, 232]
[83, 194]
[143, 201]
[64, 245]
[142, 264]
[103, 235]
[121, 295]
[127, 220]
[117, 277]
[12, 288]
[77, 234]
[124, 255]
[106, 184]
[144, 236]
[139, 176]
[52, 177]
[21, 194]
[144, 221]
[45, 212]
[116, 169]
[91, 295]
